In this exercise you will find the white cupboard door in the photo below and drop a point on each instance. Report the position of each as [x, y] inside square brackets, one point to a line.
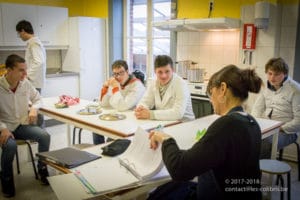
[11, 15]
[53, 25]
[56, 86]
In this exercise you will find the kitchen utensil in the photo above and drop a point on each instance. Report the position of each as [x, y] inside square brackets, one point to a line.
[60, 105]
[181, 67]
[87, 111]
[196, 75]
[112, 117]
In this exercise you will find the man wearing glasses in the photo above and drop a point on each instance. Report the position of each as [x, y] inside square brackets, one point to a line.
[122, 91]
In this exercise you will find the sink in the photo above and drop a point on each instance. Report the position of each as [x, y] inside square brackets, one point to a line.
[53, 71]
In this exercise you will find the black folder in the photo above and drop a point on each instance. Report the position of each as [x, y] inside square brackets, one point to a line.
[68, 157]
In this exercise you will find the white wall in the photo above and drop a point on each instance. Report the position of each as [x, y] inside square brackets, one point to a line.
[213, 50]
[210, 49]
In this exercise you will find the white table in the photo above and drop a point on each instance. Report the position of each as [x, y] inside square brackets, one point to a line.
[184, 134]
[113, 129]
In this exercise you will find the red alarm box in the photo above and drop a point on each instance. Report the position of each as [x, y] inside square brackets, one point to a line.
[249, 36]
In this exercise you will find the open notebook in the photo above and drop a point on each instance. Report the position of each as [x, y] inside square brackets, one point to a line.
[68, 157]
[137, 165]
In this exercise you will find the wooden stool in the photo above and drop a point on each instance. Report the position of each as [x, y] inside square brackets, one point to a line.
[278, 168]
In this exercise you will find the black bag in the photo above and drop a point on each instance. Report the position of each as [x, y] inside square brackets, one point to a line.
[116, 147]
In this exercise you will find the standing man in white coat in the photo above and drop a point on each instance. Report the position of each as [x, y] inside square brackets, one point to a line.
[35, 56]
[167, 97]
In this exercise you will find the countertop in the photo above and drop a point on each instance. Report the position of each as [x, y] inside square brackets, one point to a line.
[52, 74]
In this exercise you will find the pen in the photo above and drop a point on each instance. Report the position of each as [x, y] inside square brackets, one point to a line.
[159, 127]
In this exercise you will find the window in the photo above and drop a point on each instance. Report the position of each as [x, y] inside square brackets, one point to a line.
[143, 42]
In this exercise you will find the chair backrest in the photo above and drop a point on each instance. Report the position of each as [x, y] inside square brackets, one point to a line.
[140, 75]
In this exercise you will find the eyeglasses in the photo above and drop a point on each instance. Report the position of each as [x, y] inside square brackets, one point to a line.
[116, 74]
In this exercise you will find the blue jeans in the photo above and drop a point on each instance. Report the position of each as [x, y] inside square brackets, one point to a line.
[284, 140]
[23, 132]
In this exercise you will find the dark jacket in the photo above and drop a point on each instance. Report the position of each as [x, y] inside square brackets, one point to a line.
[226, 159]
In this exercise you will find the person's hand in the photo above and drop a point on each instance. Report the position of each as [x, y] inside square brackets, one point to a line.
[106, 84]
[142, 113]
[113, 82]
[32, 116]
[5, 134]
[156, 138]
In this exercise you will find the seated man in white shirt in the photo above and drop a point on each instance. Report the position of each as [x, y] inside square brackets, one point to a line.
[167, 97]
[122, 91]
[280, 101]
[18, 120]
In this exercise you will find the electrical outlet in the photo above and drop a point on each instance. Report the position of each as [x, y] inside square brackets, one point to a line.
[211, 4]
[210, 8]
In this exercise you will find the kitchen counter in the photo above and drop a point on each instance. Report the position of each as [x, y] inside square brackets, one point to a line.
[61, 74]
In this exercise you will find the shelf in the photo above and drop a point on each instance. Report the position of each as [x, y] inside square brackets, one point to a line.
[22, 48]
[204, 24]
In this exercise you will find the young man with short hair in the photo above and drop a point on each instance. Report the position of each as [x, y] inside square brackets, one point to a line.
[18, 120]
[167, 97]
[280, 101]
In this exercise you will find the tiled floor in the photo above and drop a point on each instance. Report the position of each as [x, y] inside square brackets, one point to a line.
[28, 188]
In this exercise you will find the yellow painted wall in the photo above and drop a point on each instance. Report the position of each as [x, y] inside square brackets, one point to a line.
[186, 8]
[89, 8]
[222, 8]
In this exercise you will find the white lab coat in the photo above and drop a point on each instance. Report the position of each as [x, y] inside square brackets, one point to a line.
[35, 56]
[176, 103]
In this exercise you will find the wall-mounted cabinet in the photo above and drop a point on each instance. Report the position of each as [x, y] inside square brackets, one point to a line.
[53, 25]
[50, 24]
[11, 14]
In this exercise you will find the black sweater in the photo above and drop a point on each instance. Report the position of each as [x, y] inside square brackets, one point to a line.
[229, 151]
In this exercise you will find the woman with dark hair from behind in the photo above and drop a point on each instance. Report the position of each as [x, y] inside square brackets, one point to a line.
[226, 159]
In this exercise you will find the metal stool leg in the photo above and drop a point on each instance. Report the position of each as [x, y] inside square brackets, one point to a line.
[79, 136]
[289, 185]
[17, 159]
[32, 160]
[281, 185]
[298, 157]
[74, 133]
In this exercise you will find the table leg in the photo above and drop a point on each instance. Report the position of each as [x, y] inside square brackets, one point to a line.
[69, 135]
[274, 146]
[273, 156]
